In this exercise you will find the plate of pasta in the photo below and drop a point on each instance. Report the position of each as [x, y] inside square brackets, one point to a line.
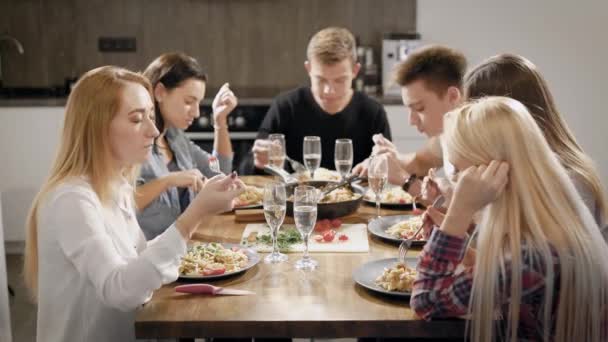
[388, 276]
[397, 228]
[252, 197]
[321, 174]
[392, 198]
[212, 260]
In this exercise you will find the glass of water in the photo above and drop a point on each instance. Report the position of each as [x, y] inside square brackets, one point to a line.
[305, 215]
[343, 156]
[274, 212]
[276, 152]
[377, 175]
[312, 154]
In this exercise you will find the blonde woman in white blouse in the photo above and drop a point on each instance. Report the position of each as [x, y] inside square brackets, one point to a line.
[87, 262]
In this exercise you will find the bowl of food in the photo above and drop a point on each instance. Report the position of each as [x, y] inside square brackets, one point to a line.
[340, 202]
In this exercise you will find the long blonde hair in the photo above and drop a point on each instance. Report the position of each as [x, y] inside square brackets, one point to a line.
[83, 148]
[540, 217]
[518, 78]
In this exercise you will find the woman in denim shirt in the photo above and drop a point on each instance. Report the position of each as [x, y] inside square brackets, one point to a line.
[176, 168]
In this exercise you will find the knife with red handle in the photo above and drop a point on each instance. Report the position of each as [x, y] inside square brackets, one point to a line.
[210, 290]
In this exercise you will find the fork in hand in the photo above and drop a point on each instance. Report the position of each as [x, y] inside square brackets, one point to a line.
[407, 243]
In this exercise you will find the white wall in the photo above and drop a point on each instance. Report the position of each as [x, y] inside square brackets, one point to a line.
[28, 139]
[565, 39]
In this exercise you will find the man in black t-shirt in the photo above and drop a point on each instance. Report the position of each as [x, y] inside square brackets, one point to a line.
[328, 108]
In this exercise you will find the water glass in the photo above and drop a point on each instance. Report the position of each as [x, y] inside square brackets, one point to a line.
[274, 212]
[305, 216]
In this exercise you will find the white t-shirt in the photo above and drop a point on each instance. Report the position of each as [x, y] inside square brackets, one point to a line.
[95, 267]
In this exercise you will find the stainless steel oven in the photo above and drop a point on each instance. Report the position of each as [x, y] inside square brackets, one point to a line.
[243, 124]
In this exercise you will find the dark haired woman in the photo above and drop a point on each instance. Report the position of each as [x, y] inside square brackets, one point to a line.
[176, 168]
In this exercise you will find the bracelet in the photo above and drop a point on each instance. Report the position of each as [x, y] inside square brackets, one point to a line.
[409, 182]
[218, 127]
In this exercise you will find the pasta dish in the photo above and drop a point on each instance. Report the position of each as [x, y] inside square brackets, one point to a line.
[397, 278]
[406, 229]
[212, 259]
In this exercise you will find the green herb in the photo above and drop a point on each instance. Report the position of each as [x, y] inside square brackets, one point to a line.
[285, 240]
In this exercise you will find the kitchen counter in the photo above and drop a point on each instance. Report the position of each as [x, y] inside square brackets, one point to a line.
[33, 102]
[61, 101]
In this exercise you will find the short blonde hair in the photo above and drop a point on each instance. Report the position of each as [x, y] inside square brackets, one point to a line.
[332, 45]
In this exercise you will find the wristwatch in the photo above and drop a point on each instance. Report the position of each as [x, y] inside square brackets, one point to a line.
[411, 179]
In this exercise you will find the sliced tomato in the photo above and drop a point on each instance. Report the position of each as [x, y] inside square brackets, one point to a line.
[343, 237]
[214, 271]
[322, 226]
[329, 235]
[318, 238]
[402, 201]
[336, 223]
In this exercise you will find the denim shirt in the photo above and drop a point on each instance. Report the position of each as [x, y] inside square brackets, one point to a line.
[165, 209]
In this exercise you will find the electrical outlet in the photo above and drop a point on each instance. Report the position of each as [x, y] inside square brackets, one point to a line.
[117, 44]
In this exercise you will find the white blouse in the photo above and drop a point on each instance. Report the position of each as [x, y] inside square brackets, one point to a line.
[95, 267]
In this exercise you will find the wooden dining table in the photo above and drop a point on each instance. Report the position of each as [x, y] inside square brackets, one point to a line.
[324, 303]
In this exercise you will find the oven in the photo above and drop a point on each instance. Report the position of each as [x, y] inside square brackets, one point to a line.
[243, 124]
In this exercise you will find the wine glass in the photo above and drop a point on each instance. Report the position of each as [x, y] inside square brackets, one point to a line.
[274, 212]
[276, 151]
[305, 216]
[343, 156]
[312, 154]
[377, 176]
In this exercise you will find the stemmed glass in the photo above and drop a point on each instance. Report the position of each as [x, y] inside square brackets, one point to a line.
[305, 216]
[276, 152]
[377, 176]
[343, 156]
[312, 154]
[274, 212]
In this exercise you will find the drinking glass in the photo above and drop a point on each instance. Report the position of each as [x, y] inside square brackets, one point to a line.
[305, 216]
[343, 156]
[312, 154]
[377, 176]
[274, 212]
[276, 152]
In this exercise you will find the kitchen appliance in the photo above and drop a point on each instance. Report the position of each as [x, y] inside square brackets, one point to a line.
[243, 124]
[368, 79]
[395, 49]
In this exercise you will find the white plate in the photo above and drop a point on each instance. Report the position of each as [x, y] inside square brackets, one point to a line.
[367, 274]
[252, 255]
[379, 226]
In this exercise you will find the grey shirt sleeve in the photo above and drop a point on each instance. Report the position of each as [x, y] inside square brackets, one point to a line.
[587, 195]
[201, 160]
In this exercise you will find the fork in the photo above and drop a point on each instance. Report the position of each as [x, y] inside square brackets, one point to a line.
[407, 243]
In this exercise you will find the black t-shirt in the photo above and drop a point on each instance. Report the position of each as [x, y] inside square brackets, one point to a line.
[296, 114]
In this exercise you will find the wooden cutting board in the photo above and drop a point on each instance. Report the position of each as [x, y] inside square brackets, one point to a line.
[357, 240]
[254, 215]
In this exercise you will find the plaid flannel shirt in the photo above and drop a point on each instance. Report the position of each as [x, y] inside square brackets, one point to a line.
[440, 290]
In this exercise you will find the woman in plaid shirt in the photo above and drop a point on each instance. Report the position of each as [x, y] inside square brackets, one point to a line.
[540, 270]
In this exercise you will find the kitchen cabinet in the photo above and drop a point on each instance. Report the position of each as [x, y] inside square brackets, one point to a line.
[29, 137]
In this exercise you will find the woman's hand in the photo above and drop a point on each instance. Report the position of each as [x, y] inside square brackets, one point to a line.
[193, 179]
[223, 103]
[216, 196]
[432, 217]
[476, 187]
[479, 186]
[433, 187]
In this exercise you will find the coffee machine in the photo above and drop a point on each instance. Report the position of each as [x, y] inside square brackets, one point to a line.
[395, 49]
